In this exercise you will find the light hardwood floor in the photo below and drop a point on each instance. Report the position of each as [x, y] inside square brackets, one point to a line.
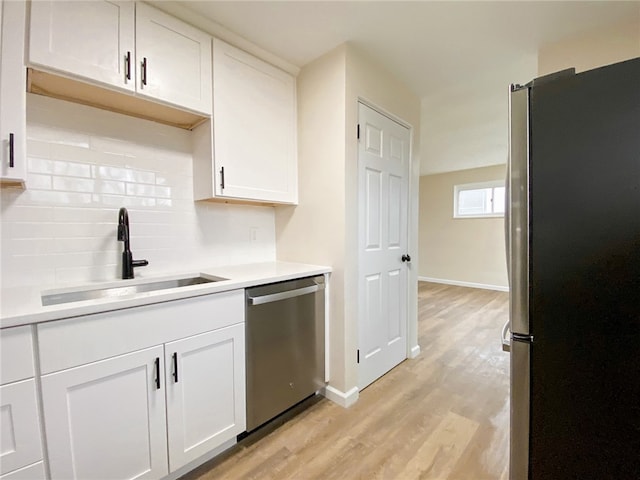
[443, 415]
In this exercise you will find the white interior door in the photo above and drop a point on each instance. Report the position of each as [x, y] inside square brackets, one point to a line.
[383, 174]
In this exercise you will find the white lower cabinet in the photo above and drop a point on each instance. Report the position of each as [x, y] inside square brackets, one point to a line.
[19, 426]
[20, 436]
[113, 413]
[107, 419]
[205, 379]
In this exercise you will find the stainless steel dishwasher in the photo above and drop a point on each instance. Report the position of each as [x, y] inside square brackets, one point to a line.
[284, 346]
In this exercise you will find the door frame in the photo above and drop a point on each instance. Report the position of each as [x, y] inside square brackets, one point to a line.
[411, 352]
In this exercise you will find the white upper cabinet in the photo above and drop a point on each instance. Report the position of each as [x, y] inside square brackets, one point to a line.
[127, 45]
[93, 40]
[253, 135]
[13, 134]
[141, 392]
[173, 60]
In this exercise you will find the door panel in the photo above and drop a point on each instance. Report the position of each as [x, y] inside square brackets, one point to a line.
[395, 212]
[373, 218]
[383, 166]
[373, 309]
[394, 287]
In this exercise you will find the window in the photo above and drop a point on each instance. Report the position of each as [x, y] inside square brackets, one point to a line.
[479, 200]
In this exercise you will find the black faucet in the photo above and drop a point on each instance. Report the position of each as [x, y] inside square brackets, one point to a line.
[123, 236]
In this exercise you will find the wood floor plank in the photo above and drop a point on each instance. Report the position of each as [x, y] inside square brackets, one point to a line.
[443, 415]
[441, 450]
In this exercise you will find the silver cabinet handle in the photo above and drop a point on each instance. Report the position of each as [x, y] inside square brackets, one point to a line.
[506, 341]
[274, 297]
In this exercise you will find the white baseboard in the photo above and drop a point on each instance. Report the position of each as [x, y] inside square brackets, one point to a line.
[485, 286]
[415, 351]
[341, 398]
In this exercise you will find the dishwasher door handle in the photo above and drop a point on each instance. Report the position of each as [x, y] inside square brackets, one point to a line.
[274, 297]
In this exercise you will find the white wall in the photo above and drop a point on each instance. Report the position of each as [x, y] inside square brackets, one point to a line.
[371, 82]
[465, 125]
[314, 231]
[83, 165]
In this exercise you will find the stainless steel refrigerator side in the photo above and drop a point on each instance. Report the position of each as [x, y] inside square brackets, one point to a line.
[519, 211]
[518, 270]
[520, 405]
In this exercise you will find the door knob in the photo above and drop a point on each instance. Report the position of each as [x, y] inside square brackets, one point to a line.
[406, 258]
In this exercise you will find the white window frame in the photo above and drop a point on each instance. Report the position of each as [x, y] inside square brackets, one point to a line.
[473, 186]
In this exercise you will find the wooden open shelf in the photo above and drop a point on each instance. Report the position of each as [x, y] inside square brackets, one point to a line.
[63, 88]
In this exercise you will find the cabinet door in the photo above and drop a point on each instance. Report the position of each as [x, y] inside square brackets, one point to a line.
[205, 392]
[19, 426]
[90, 39]
[13, 143]
[107, 419]
[173, 60]
[254, 128]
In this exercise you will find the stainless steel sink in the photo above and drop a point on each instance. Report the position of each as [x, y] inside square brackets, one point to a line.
[128, 290]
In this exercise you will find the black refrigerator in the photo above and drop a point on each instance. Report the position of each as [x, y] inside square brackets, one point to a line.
[573, 248]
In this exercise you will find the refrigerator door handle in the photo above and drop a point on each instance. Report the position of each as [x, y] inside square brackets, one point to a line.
[506, 338]
[520, 409]
[518, 210]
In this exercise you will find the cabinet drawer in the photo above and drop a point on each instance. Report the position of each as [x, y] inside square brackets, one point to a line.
[32, 472]
[16, 354]
[19, 426]
[81, 340]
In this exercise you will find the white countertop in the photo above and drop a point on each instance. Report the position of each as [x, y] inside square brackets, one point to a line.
[23, 305]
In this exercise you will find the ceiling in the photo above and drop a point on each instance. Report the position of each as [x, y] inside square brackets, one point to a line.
[431, 46]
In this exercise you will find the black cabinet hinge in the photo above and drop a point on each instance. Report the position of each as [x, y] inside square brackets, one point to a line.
[358, 131]
[358, 355]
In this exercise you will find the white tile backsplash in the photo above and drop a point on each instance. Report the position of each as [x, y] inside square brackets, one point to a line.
[83, 165]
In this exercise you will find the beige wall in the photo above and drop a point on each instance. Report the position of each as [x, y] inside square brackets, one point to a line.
[593, 49]
[323, 227]
[314, 231]
[378, 87]
[472, 250]
[465, 250]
